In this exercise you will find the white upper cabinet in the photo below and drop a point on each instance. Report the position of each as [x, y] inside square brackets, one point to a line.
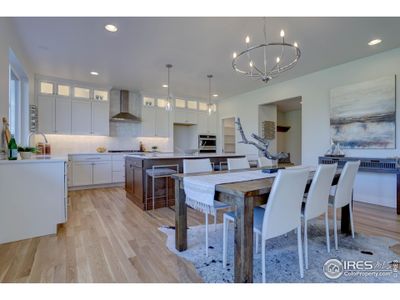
[66, 108]
[100, 116]
[207, 124]
[46, 114]
[148, 121]
[63, 90]
[180, 115]
[185, 111]
[81, 117]
[202, 124]
[155, 119]
[100, 95]
[162, 122]
[46, 87]
[81, 92]
[62, 115]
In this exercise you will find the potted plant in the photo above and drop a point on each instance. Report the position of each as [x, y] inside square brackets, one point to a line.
[26, 152]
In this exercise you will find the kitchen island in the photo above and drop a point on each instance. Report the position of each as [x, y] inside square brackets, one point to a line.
[135, 176]
[33, 197]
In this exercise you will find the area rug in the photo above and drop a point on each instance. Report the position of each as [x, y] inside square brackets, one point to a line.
[375, 261]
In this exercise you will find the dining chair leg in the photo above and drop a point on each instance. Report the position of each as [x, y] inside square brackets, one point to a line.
[215, 220]
[206, 221]
[146, 196]
[263, 260]
[257, 241]
[305, 244]
[166, 191]
[300, 249]
[351, 220]
[153, 191]
[328, 242]
[335, 228]
[224, 241]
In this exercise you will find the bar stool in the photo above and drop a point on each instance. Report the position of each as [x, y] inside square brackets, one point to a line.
[159, 171]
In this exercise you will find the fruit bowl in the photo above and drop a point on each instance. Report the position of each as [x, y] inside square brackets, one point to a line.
[101, 149]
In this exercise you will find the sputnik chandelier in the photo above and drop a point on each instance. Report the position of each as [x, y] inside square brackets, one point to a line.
[267, 60]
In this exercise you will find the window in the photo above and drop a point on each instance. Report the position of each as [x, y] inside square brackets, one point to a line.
[14, 104]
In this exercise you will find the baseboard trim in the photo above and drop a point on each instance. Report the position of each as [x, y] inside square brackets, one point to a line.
[95, 186]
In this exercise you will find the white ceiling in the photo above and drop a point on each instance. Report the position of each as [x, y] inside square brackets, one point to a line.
[135, 56]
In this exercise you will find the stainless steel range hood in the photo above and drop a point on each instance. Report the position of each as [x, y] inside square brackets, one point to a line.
[124, 115]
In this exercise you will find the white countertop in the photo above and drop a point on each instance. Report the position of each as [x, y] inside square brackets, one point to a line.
[36, 159]
[180, 155]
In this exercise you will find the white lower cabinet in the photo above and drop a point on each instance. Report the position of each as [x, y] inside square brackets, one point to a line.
[86, 170]
[118, 168]
[102, 172]
[82, 173]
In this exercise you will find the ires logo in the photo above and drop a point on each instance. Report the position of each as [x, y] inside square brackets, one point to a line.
[334, 268]
[352, 265]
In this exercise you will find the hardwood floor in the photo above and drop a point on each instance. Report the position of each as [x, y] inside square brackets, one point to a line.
[109, 239]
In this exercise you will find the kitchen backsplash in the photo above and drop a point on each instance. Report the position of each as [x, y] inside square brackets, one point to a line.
[66, 144]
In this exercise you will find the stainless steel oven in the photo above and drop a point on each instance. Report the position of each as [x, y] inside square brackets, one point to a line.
[207, 143]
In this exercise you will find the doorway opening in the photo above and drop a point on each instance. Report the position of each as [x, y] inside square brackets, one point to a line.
[228, 135]
[287, 117]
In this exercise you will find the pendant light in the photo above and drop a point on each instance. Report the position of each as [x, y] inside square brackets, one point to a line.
[168, 105]
[209, 105]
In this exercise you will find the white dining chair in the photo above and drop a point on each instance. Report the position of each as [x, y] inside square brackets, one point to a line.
[199, 166]
[344, 195]
[281, 215]
[265, 162]
[238, 163]
[317, 202]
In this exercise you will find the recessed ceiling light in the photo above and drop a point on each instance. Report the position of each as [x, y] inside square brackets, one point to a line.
[111, 28]
[215, 95]
[375, 42]
[94, 73]
[165, 85]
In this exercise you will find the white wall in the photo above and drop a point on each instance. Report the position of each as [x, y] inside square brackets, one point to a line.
[314, 90]
[9, 39]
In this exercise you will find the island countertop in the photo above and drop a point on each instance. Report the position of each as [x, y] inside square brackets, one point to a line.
[36, 159]
[160, 155]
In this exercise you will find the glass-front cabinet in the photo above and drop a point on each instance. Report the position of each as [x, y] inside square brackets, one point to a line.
[69, 107]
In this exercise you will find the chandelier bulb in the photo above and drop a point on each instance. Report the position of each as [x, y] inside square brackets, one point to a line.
[278, 59]
[282, 33]
[234, 55]
[296, 45]
[251, 64]
[247, 39]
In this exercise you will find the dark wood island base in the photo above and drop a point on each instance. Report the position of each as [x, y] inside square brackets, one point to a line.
[135, 177]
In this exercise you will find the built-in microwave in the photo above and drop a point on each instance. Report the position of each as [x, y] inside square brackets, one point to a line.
[207, 143]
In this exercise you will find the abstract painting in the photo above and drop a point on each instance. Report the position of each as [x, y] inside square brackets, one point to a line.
[363, 115]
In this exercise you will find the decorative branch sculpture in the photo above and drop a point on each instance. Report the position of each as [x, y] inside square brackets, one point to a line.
[262, 144]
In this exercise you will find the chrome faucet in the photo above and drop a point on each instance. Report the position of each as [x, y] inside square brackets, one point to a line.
[33, 133]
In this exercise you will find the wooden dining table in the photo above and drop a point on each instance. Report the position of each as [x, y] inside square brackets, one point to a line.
[243, 196]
